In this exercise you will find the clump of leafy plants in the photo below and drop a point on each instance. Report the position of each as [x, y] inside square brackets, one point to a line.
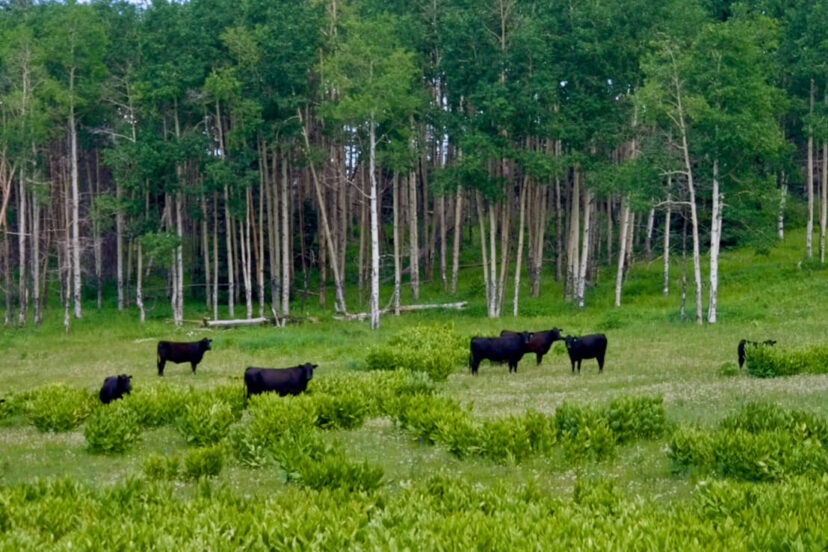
[112, 429]
[59, 407]
[435, 349]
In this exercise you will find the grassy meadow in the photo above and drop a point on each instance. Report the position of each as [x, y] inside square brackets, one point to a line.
[652, 352]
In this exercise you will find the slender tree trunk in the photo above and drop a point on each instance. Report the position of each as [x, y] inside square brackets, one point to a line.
[395, 192]
[524, 192]
[715, 240]
[215, 257]
[582, 269]
[36, 295]
[75, 249]
[413, 236]
[823, 199]
[205, 247]
[809, 181]
[338, 282]
[558, 232]
[441, 206]
[22, 290]
[228, 244]
[665, 288]
[375, 310]
[648, 239]
[458, 237]
[572, 253]
[783, 196]
[286, 249]
[622, 248]
[139, 288]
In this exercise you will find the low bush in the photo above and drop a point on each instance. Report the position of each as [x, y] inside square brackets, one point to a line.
[334, 471]
[435, 349]
[423, 414]
[158, 404]
[59, 407]
[505, 440]
[636, 417]
[584, 434]
[756, 417]
[203, 462]
[158, 467]
[690, 447]
[769, 362]
[112, 429]
[340, 411]
[205, 421]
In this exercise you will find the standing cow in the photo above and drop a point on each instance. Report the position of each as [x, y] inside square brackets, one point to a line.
[540, 342]
[588, 346]
[285, 381]
[508, 348]
[115, 387]
[177, 352]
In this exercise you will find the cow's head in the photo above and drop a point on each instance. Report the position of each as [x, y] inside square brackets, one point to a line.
[308, 369]
[556, 334]
[124, 383]
[570, 340]
[205, 344]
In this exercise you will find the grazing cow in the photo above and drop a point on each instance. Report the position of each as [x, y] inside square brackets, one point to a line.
[115, 387]
[509, 348]
[741, 348]
[172, 351]
[588, 346]
[285, 381]
[540, 342]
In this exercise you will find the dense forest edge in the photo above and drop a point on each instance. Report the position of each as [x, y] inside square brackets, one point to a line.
[258, 157]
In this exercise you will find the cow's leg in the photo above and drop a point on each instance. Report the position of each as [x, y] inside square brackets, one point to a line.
[161, 363]
[539, 356]
[193, 366]
[600, 363]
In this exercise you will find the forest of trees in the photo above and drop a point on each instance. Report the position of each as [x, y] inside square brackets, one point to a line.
[246, 153]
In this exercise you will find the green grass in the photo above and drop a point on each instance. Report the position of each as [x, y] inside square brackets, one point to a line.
[652, 351]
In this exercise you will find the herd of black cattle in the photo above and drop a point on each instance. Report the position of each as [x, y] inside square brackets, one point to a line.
[509, 347]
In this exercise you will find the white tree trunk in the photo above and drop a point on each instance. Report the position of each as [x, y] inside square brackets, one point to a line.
[285, 235]
[524, 191]
[809, 182]
[75, 248]
[665, 288]
[215, 257]
[119, 245]
[414, 245]
[395, 192]
[458, 236]
[780, 217]
[648, 239]
[22, 247]
[374, 302]
[179, 260]
[572, 253]
[483, 249]
[582, 269]
[715, 241]
[228, 242]
[493, 280]
[139, 288]
[823, 201]
[622, 248]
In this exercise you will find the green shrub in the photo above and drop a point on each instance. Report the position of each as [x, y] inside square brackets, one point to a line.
[160, 467]
[59, 407]
[505, 440]
[203, 462]
[769, 362]
[341, 411]
[158, 404]
[205, 422]
[751, 456]
[690, 447]
[756, 417]
[333, 471]
[422, 415]
[541, 429]
[594, 441]
[633, 418]
[457, 431]
[112, 428]
[267, 420]
[436, 349]
[597, 494]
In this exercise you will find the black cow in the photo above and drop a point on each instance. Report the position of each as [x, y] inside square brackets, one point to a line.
[173, 351]
[588, 346]
[741, 348]
[115, 387]
[509, 348]
[540, 342]
[285, 381]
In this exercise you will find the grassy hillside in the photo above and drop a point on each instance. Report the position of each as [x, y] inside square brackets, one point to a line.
[652, 353]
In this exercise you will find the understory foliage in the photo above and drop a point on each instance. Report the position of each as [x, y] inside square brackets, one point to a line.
[421, 515]
[435, 349]
[58, 407]
[760, 442]
[771, 362]
[112, 428]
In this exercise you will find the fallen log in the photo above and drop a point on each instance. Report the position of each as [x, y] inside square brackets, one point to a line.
[403, 308]
[238, 322]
